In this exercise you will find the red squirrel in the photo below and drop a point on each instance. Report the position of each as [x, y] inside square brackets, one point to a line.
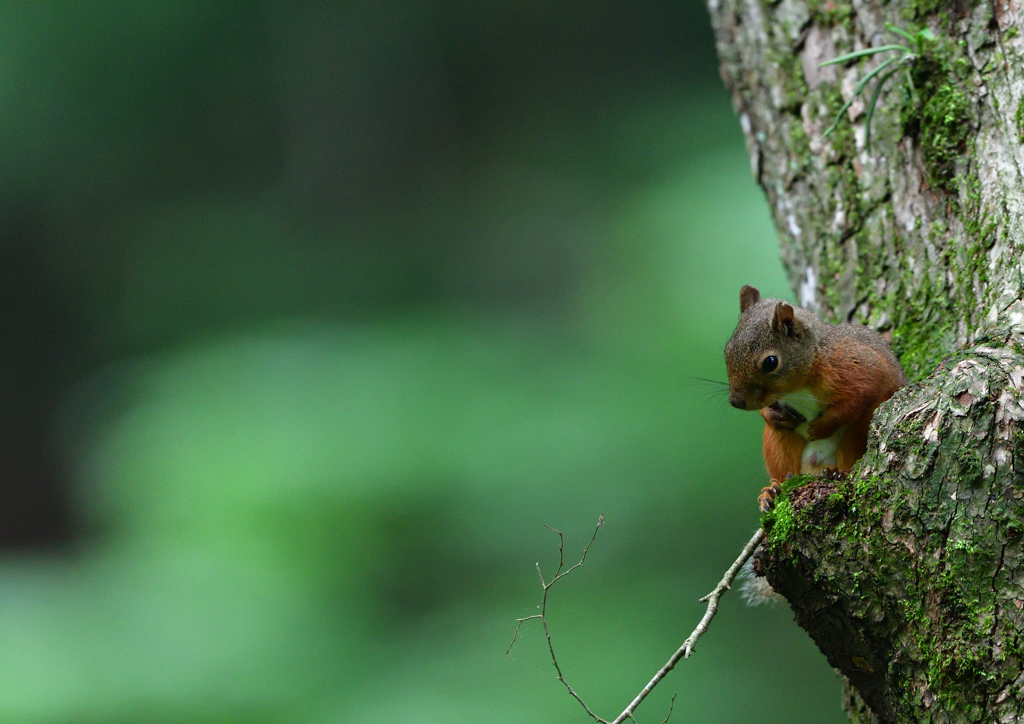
[815, 384]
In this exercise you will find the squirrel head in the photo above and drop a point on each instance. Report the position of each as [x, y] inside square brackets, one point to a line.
[771, 352]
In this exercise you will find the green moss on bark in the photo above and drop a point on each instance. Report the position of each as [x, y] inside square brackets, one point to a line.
[945, 124]
[830, 12]
[1019, 118]
[937, 111]
[779, 523]
[924, 331]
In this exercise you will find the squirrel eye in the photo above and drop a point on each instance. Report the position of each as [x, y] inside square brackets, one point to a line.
[770, 363]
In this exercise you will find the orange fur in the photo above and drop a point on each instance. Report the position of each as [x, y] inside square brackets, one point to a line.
[854, 380]
[853, 444]
[782, 451]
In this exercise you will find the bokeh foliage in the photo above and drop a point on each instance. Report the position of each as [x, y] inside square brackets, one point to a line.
[325, 310]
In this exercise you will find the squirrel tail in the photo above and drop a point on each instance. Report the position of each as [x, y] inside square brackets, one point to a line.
[756, 590]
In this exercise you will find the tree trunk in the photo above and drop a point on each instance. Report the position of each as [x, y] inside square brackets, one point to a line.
[909, 575]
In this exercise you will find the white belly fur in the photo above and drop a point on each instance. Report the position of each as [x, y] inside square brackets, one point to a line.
[819, 454]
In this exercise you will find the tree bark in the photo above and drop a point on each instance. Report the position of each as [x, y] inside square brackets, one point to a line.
[909, 575]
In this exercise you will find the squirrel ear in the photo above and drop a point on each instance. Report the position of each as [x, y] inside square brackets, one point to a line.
[748, 297]
[783, 321]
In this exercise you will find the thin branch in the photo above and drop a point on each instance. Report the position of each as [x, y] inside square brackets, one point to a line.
[724, 585]
[671, 706]
[559, 574]
[519, 623]
[684, 651]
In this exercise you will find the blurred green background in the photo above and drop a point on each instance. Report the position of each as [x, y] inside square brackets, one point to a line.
[314, 314]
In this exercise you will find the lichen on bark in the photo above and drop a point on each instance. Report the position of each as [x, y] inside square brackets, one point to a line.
[910, 574]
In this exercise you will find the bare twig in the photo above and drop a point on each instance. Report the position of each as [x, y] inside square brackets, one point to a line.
[682, 652]
[559, 573]
[671, 706]
[724, 585]
[686, 649]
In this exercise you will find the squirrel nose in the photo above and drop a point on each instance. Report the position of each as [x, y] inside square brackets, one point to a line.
[737, 400]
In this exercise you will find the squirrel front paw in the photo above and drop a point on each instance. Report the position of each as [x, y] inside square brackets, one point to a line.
[766, 500]
[782, 417]
[816, 430]
[834, 474]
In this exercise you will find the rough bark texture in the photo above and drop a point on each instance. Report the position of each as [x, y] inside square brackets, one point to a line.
[909, 575]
